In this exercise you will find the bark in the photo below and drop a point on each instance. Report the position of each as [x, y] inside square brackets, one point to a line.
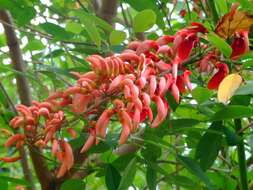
[44, 175]
[108, 10]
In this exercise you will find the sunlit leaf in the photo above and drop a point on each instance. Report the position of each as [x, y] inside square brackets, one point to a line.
[116, 37]
[74, 27]
[144, 20]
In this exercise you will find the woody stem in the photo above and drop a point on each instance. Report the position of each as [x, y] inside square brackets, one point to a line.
[241, 157]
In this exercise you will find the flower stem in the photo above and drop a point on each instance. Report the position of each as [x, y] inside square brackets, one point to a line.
[241, 158]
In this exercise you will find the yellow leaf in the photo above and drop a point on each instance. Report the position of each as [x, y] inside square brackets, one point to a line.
[228, 86]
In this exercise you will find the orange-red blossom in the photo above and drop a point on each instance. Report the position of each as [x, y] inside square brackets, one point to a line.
[129, 82]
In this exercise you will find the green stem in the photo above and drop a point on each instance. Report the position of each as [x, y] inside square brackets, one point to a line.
[241, 158]
[188, 9]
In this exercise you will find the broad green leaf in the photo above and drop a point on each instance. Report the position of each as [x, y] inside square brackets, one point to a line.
[116, 37]
[56, 31]
[121, 162]
[182, 181]
[141, 5]
[89, 25]
[221, 6]
[201, 94]
[233, 112]
[21, 10]
[195, 169]
[246, 5]
[144, 20]
[73, 184]
[34, 45]
[112, 177]
[189, 112]
[246, 89]
[220, 43]
[15, 180]
[73, 27]
[128, 175]
[4, 184]
[207, 152]
[179, 123]
[151, 178]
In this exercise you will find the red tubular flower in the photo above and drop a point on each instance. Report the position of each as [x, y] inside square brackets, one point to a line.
[14, 139]
[222, 72]
[103, 121]
[90, 141]
[10, 159]
[175, 92]
[185, 46]
[147, 46]
[180, 84]
[186, 79]
[162, 111]
[165, 40]
[240, 44]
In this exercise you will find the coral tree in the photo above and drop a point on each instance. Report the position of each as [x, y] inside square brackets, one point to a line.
[125, 84]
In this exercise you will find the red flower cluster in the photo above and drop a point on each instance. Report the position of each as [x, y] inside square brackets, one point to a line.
[121, 86]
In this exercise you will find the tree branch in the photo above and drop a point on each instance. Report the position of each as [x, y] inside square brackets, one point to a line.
[44, 175]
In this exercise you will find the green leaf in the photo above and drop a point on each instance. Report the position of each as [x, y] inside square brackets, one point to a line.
[179, 123]
[34, 45]
[246, 5]
[201, 94]
[233, 112]
[116, 37]
[232, 138]
[56, 31]
[245, 89]
[73, 27]
[221, 6]
[220, 43]
[151, 152]
[193, 167]
[4, 184]
[141, 5]
[144, 20]
[91, 28]
[112, 177]
[151, 178]
[15, 180]
[181, 181]
[128, 175]
[121, 162]
[209, 145]
[73, 184]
